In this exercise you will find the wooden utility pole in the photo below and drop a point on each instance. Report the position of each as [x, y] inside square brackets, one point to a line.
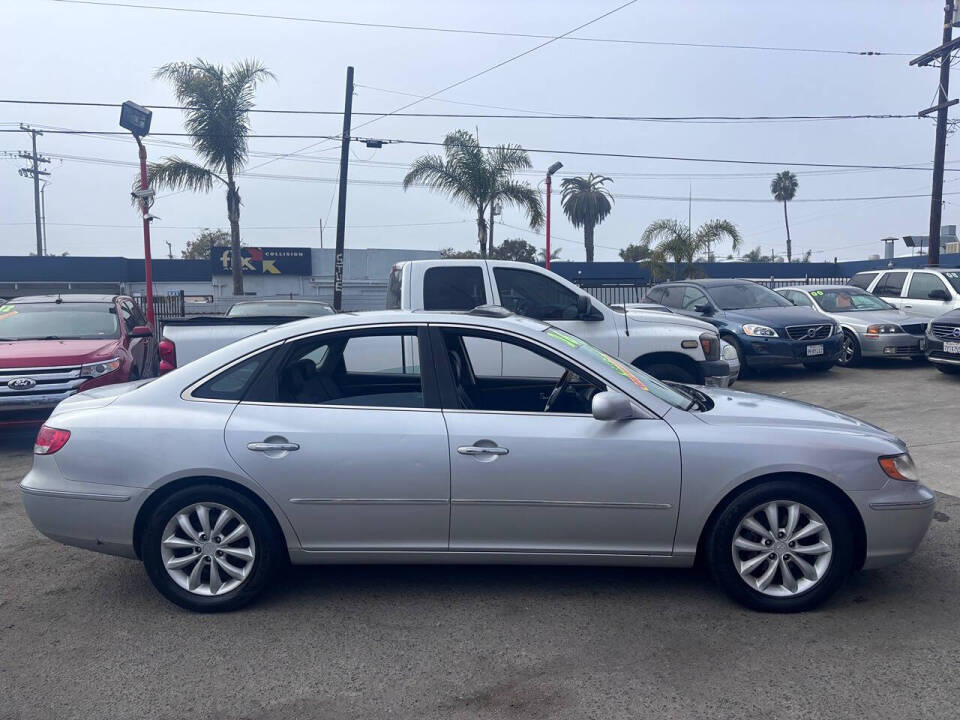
[942, 53]
[35, 172]
[342, 200]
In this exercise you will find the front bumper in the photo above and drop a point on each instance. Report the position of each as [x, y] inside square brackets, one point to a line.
[769, 352]
[935, 353]
[890, 345]
[88, 515]
[716, 373]
[896, 518]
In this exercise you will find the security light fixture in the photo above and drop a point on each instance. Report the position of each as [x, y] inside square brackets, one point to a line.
[553, 168]
[135, 118]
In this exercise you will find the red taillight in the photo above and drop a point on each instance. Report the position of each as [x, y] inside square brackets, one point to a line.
[168, 356]
[49, 440]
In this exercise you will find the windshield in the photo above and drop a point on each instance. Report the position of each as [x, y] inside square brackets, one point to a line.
[58, 321]
[848, 300]
[745, 296]
[953, 277]
[639, 378]
[282, 309]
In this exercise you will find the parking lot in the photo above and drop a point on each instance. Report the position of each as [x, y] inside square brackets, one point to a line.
[86, 636]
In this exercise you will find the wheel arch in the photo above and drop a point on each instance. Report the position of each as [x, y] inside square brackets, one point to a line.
[669, 357]
[849, 509]
[164, 491]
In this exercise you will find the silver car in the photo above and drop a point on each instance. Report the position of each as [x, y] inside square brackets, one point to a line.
[871, 326]
[374, 438]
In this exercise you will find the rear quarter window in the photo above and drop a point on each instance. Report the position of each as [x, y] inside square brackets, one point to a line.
[862, 280]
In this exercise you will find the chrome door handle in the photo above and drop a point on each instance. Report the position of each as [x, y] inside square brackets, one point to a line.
[480, 450]
[268, 447]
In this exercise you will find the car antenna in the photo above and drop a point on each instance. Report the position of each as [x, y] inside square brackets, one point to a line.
[626, 327]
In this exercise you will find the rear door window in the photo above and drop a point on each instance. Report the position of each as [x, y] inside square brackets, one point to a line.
[890, 285]
[453, 288]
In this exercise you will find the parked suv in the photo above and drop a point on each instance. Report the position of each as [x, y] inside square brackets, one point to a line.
[52, 347]
[943, 342]
[765, 328]
[929, 292]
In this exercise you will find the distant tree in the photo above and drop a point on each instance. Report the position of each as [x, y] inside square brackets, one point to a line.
[217, 103]
[586, 203]
[199, 247]
[783, 187]
[554, 254]
[478, 178]
[756, 255]
[676, 242]
[515, 249]
[452, 254]
[636, 252]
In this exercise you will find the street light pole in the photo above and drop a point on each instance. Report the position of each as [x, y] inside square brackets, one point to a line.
[550, 171]
[145, 209]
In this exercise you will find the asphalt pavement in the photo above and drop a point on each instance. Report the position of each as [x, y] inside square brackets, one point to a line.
[85, 636]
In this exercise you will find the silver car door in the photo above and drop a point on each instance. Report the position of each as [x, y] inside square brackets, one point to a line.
[524, 480]
[344, 430]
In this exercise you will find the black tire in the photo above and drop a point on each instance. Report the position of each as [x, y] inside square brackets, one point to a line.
[948, 369]
[265, 562]
[719, 545]
[669, 373]
[745, 370]
[818, 366]
[850, 355]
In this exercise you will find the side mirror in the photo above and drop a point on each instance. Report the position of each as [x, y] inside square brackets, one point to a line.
[584, 306]
[610, 405]
[141, 331]
[938, 294]
[704, 308]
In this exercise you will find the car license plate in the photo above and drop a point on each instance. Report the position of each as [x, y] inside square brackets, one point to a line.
[952, 347]
[816, 349]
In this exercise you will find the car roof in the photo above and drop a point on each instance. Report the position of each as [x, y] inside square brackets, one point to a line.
[710, 282]
[283, 300]
[399, 317]
[77, 298]
[808, 288]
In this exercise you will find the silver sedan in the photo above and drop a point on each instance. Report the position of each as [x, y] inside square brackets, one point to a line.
[380, 438]
[871, 326]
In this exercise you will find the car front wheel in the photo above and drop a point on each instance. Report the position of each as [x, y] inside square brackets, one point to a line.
[783, 546]
[209, 549]
[849, 350]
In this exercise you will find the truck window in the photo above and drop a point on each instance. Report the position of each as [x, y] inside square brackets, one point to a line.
[534, 295]
[453, 288]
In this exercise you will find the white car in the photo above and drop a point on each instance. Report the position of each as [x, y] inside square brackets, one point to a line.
[929, 292]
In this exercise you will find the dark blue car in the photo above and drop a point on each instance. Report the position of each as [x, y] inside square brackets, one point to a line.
[765, 328]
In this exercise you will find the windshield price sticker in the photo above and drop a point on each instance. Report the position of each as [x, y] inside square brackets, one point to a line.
[576, 343]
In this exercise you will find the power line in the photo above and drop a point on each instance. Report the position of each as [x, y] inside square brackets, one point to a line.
[489, 116]
[486, 33]
[246, 227]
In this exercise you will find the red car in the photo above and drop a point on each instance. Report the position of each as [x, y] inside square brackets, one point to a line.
[54, 346]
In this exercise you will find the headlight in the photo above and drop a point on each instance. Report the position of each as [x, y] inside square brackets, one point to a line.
[759, 331]
[710, 343]
[884, 329]
[900, 467]
[98, 369]
[729, 352]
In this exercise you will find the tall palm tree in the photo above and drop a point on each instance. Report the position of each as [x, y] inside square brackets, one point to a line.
[784, 187]
[676, 242]
[478, 178]
[217, 103]
[586, 203]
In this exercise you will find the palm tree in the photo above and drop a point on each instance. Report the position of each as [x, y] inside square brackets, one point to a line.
[784, 187]
[217, 102]
[478, 178]
[676, 241]
[586, 203]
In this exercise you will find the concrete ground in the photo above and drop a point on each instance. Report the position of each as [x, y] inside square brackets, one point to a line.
[86, 636]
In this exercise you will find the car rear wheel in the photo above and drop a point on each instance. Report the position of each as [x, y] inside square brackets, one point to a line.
[209, 549]
[818, 366]
[783, 546]
[849, 350]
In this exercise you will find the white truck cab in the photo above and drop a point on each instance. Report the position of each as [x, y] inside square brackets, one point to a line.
[668, 347]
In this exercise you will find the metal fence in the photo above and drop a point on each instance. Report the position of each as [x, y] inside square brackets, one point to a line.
[164, 306]
[620, 291]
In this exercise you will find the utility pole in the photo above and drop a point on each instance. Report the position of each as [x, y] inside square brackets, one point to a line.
[35, 172]
[43, 212]
[342, 199]
[942, 54]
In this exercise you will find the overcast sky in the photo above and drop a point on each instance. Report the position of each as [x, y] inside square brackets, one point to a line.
[57, 51]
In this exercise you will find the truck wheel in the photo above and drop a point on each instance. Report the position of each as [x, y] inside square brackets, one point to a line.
[783, 546]
[669, 373]
[209, 549]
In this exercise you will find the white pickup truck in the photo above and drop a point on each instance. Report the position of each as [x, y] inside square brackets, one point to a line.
[669, 348]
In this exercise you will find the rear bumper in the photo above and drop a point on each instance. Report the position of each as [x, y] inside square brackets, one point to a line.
[896, 518]
[769, 352]
[87, 515]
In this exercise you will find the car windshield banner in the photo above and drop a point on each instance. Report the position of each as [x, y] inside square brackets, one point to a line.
[264, 261]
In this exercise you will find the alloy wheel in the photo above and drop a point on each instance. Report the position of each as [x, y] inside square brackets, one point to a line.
[847, 351]
[208, 549]
[782, 548]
